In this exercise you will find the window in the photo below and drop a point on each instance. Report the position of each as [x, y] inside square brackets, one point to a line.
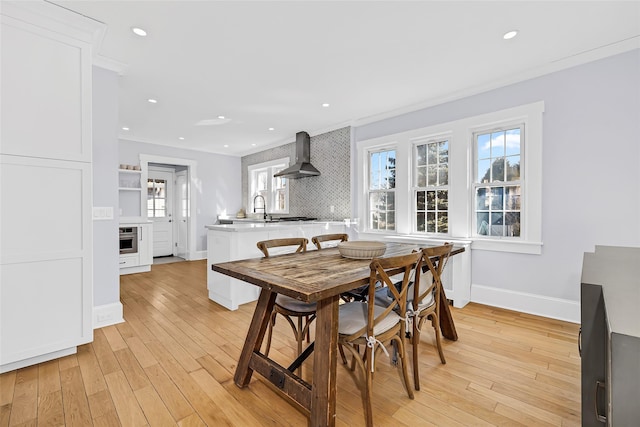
[431, 186]
[497, 185]
[275, 191]
[477, 178]
[382, 184]
[156, 198]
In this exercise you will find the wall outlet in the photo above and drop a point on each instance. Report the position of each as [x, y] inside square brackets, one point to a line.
[104, 317]
[332, 208]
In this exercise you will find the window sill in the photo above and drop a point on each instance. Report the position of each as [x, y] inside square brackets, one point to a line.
[503, 245]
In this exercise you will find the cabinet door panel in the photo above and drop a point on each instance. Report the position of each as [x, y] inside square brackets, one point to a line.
[43, 95]
[593, 344]
[45, 208]
[42, 308]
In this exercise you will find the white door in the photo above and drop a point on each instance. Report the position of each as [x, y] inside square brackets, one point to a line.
[182, 213]
[160, 210]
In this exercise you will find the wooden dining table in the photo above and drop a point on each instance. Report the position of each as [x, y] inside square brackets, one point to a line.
[318, 276]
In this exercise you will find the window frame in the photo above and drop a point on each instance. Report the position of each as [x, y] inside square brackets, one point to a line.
[424, 140]
[371, 191]
[519, 182]
[270, 168]
[461, 196]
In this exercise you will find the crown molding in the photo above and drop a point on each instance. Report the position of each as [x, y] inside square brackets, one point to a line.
[552, 67]
[58, 19]
[109, 64]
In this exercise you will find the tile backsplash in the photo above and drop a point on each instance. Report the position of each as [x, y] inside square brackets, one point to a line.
[314, 196]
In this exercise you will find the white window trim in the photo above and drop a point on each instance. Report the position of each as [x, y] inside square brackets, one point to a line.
[265, 165]
[461, 158]
[363, 191]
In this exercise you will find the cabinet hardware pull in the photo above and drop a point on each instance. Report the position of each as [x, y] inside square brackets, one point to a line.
[580, 342]
[599, 417]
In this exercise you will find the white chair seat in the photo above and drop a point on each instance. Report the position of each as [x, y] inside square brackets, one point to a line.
[293, 304]
[353, 317]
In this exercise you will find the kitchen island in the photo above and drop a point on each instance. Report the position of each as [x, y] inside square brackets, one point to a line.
[231, 242]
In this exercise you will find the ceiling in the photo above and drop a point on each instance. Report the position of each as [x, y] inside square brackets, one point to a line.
[267, 64]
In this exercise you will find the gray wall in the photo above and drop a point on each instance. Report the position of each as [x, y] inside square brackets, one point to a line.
[313, 196]
[106, 269]
[591, 173]
[218, 189]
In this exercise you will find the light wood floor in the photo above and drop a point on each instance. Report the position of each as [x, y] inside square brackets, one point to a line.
[172, 363]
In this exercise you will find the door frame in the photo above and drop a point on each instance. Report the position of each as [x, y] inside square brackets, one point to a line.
[192, 179]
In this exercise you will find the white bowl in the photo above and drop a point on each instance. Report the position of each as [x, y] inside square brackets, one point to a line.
[361, 249]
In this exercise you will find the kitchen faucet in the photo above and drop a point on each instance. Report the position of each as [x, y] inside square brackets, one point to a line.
[264, 205]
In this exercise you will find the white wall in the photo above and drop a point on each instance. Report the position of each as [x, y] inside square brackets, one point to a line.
[106, 278]
[219, 186]
[591, 176]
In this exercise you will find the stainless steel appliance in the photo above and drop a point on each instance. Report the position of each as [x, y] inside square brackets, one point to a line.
[128, 240]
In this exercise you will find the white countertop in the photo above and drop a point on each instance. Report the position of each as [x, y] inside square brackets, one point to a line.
[134, 220]
[257, 226]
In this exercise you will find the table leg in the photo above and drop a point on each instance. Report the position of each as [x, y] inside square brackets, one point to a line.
[255, 335]
[446, 320]
[323, 392]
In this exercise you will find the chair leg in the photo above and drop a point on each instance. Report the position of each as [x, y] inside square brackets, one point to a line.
[353, 358]
[368, 407]
[415, 341]
[436, 326]
[401, 344]
[272, 323]
[300, 333]
[342, 356]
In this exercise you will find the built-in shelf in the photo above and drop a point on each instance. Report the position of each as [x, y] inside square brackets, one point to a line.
[130, 189]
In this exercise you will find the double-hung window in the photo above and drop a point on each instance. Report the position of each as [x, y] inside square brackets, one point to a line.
[382, 190]
[497, 184]
[476, 178]
[431, 185]
[274, 192]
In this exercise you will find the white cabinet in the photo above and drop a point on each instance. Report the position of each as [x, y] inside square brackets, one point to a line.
[234, 242]
[145, 243]
[142, 260]
[46, 279]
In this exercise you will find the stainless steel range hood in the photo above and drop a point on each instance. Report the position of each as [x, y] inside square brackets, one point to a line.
[302, 168]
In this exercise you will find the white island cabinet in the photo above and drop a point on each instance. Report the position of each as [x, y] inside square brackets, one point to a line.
[231, 242]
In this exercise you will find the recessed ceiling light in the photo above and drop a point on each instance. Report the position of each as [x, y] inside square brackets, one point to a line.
[325, 104]
[272, 128]
[181, 138]
[153, 101]
[125, 128]
[213, 122]
[253, 145]
[139, 31]
[510, 34]
[226, 145]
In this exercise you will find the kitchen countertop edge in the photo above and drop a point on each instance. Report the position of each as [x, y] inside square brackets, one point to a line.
[262, 226]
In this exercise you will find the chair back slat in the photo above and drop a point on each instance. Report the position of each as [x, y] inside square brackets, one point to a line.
[381, 268]
[317, 240]
[300, 242]
[433, 260]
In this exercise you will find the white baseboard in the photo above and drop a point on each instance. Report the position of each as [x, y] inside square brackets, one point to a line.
[539, 305]
[106, 315]
[194, 256]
